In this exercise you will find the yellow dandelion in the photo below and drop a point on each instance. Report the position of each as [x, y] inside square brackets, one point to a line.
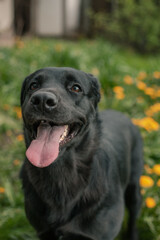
[157, 93]
[156, 74]
[16, 162]
[2, 190]
[147, 123]
[148, 169]
[118, 89]
[153, 109]
[141, 85]
[150, 91]
[158, 183]
[156, 169]
[18, 112]
[20, 137]
[95, 71]
[156, 107]
[136, 121]
[149, 112]
[150, 124]
[146, 181]
[128, 80]
[150, 202]
[119, 92]
[120, 96]
[142, 76]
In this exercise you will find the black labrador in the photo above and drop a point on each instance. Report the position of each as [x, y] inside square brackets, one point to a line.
[82, 166]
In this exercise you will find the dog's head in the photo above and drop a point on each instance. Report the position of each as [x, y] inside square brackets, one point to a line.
[57, 105]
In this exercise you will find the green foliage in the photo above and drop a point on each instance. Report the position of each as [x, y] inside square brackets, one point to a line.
[113, 66]
[136, 23]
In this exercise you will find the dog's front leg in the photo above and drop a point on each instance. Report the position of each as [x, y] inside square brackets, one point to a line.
[110, 220]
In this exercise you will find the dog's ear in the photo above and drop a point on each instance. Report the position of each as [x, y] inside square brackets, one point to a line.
[95, 89]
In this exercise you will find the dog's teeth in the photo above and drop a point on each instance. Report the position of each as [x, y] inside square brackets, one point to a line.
[64, 134]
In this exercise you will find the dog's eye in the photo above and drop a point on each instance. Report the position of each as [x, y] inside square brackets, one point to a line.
[33, 86]
[76, 88]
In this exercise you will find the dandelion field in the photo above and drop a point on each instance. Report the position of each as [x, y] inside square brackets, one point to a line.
[129, 83]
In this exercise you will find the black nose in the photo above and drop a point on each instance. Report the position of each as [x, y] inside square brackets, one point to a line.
[44, 101]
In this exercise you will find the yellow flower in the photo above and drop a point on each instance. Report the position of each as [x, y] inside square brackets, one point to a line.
[142, 75]
[156, 74]
[120, 96]
[148, 169]
[158, 93]
[128, 80]
[2, 190]
[153, 109]
[16, 162]
[156, 169]
[141, 85]
[147, 123]
[156, 107]
[158, 183]
[150, 202]
[20, 137]
[18, 112]
[150, 91]
[118, 89]
[146, 181]
[136, 121]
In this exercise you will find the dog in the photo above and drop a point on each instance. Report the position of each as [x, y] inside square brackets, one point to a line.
[82, 166]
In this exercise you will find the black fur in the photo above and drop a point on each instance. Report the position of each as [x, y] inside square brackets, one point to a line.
[82, 194]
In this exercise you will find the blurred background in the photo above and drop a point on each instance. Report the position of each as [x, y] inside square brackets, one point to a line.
[116, 40]
[132, 22]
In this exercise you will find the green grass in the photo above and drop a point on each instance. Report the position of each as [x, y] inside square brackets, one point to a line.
[111, 64]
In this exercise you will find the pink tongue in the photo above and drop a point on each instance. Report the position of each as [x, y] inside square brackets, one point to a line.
[45, 148]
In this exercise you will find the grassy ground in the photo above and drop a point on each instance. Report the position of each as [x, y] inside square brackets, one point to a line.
[130, 83]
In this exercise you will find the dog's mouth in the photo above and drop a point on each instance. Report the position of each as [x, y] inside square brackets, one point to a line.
[48, 140]
[70, 130]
